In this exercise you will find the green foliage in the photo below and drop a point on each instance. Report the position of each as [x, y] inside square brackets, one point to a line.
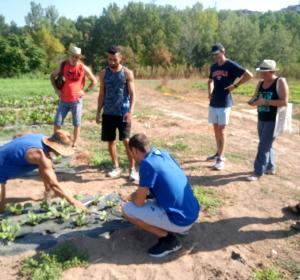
[81, 219]
[50, 266]
[35, 219]
[208, 198]
[267, 274]
[103, 216]
[8, 231]
[17, 208]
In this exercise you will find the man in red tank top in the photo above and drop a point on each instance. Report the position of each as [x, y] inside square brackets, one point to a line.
[72, 91]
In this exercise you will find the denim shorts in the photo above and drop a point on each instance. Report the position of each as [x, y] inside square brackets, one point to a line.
[152, 214]
[219, 116]
[63, 109]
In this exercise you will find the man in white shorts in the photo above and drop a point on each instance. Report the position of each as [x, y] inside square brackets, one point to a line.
[173, 207]
[221, 83]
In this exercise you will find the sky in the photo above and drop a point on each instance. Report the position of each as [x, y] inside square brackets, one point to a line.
[17, 9]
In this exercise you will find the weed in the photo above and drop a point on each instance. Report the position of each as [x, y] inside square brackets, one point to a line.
[50, 266]
[208, 198]
[267, 274]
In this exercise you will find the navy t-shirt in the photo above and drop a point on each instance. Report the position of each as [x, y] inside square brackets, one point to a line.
[170, 187]
[224, 76]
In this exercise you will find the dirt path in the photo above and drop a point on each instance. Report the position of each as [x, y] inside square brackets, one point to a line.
[249, 222]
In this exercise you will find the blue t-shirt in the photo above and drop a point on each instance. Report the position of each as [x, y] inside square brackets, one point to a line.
[116, 99]
[170, 187]
[224, 76]
[13, 163]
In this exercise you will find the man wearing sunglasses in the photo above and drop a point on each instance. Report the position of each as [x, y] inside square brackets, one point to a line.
[72, 72]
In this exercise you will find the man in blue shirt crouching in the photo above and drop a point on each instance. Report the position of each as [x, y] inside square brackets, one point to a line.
[173, 209]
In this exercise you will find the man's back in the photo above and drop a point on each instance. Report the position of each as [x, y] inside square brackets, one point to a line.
[170, 187]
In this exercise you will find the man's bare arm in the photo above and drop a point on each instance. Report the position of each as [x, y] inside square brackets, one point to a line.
[3, 198]
[139, 197]
[132, 94]
[210, 86]
[247, 76]
[38, 157]
[101, 96]
[91, 77]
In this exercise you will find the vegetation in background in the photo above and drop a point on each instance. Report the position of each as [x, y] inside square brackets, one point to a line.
[157, 40]
[267, 274]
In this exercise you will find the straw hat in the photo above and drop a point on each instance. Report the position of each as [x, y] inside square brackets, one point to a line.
[267, 65]
[60, 142]
[74, 51]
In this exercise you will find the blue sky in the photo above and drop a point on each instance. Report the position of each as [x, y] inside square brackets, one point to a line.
[17, 9]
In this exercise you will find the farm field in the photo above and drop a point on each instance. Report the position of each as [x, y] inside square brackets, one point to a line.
[241, 233]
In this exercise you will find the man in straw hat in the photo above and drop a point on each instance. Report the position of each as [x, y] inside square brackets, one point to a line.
[31, 151]
[72, 89]
[272, 92]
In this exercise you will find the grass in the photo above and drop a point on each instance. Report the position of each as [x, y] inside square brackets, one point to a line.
[290, 266]
[267, 274]
[208, 198]
[175, 145]
[50, 266]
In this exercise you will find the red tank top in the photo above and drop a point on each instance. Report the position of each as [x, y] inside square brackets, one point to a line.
[74, 82]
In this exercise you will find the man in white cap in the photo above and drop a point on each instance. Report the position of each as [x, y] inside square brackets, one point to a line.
[271, 92]
[68, 81]
[225, 76]
[33, 151]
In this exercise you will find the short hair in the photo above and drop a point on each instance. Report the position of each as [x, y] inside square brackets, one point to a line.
[140, 142]
[114, 50]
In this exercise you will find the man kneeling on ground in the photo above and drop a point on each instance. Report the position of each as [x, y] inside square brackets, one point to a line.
[173, 209]
[33, 151]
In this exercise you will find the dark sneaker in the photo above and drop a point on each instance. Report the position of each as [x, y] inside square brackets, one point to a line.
[165, 246]
[213, 158]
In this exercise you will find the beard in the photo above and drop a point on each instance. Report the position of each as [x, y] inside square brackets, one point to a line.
[114, 65]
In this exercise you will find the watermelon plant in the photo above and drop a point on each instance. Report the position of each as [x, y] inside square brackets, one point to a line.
[8, 231]
[103, 216]
[17, 208]
[81, 220]
[35, 219]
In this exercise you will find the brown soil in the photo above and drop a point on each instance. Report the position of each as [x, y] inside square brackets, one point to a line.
[250, 221]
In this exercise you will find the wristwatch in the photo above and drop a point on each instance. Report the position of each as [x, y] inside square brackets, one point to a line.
[235, 85]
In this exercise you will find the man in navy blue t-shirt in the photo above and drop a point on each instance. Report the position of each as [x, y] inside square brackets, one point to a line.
[221, 83]
[173, 209]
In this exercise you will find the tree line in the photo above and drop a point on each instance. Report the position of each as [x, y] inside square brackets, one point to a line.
[156, 40]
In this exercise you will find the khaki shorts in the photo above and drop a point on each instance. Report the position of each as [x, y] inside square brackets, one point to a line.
[151, 214]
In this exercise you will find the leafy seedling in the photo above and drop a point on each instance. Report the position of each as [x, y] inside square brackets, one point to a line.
[103, 216]
[111, 203]
[8, 231]
[17, 208]
[96, 200]
[81, 220]
[35, 219]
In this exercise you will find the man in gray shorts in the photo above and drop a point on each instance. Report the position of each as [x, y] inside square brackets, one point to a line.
[173, 209]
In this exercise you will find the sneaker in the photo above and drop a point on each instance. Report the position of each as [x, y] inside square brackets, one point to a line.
[213, 158]
[220, 164]
[271, 172]
[253, 178]
[115, 172]
[133, 175]
[165, 246]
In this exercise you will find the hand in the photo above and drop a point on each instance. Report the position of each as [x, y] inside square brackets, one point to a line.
[80, 206]
[127, 117]
[259, 102]
[98, 118]
[81, 94]
[230, 88]
[209, 96]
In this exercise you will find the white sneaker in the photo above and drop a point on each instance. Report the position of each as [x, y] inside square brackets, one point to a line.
[115, 172]
[253, 178]
[271, 172]
[133, 175]
[220, 164]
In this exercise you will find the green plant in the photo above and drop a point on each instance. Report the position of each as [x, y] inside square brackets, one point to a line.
[50, 266]
[267, 274]
[208, 198]
[103, 216]
[81, 220]
[57, 159]
[35, 219]
[17, 208]
[111, 203]
[8, 231]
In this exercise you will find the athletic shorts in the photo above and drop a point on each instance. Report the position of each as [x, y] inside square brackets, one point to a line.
[219, 116]
[152, 214]
[110, 125]
[64, 108]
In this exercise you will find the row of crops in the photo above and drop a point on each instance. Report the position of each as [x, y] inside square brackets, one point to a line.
[31, 111]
